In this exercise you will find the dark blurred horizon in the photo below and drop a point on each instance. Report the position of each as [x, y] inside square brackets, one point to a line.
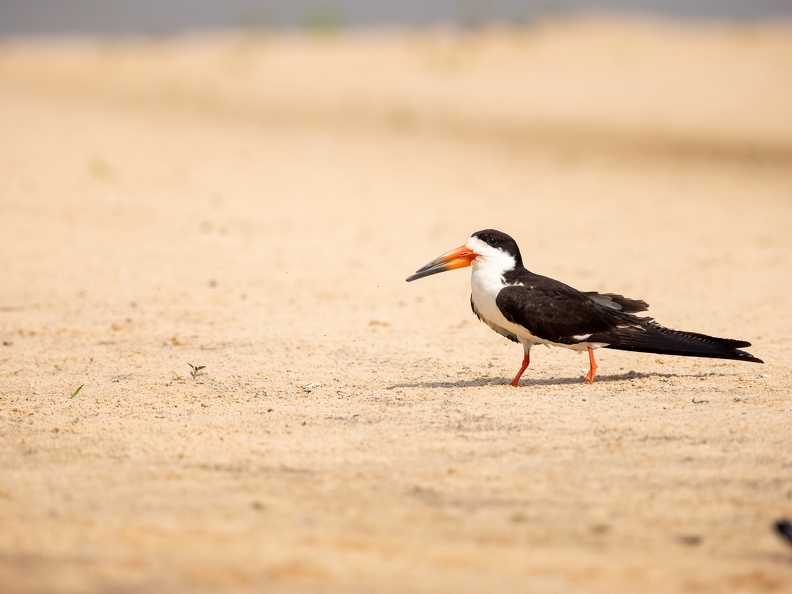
[148, 17]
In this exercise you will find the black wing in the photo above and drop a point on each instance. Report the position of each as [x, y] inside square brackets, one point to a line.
[654, 338]
[556, 312]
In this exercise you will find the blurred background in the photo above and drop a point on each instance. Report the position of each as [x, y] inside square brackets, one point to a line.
[19, 17]
[275, 116]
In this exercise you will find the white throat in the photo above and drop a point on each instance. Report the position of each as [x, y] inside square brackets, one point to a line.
[486, 280]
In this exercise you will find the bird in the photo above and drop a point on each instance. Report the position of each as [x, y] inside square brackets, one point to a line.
[532, 309]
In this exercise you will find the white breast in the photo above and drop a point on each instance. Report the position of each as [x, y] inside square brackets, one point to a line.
[486, 281]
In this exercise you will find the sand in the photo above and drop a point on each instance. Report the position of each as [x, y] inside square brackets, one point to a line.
[253, 203]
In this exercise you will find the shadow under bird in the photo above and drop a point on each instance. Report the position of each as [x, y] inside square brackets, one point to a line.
[532, 309]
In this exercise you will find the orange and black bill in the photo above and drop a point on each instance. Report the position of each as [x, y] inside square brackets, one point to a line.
[458, 258]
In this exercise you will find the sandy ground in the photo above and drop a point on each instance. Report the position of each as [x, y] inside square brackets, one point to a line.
[252, 204]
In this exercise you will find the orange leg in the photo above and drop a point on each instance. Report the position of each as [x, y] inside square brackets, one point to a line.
[589, 379]
[526, 360]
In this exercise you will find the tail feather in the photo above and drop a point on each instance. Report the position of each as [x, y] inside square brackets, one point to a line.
[654, 338]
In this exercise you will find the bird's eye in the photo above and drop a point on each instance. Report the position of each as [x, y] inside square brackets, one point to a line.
[492, 241]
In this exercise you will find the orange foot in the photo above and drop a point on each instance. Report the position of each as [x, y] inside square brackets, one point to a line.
[526, 360]
[589, 379]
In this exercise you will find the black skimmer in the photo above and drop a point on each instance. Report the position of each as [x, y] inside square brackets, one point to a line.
[532, 309]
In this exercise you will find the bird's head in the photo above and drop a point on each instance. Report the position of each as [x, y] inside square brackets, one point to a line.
[487, 248]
